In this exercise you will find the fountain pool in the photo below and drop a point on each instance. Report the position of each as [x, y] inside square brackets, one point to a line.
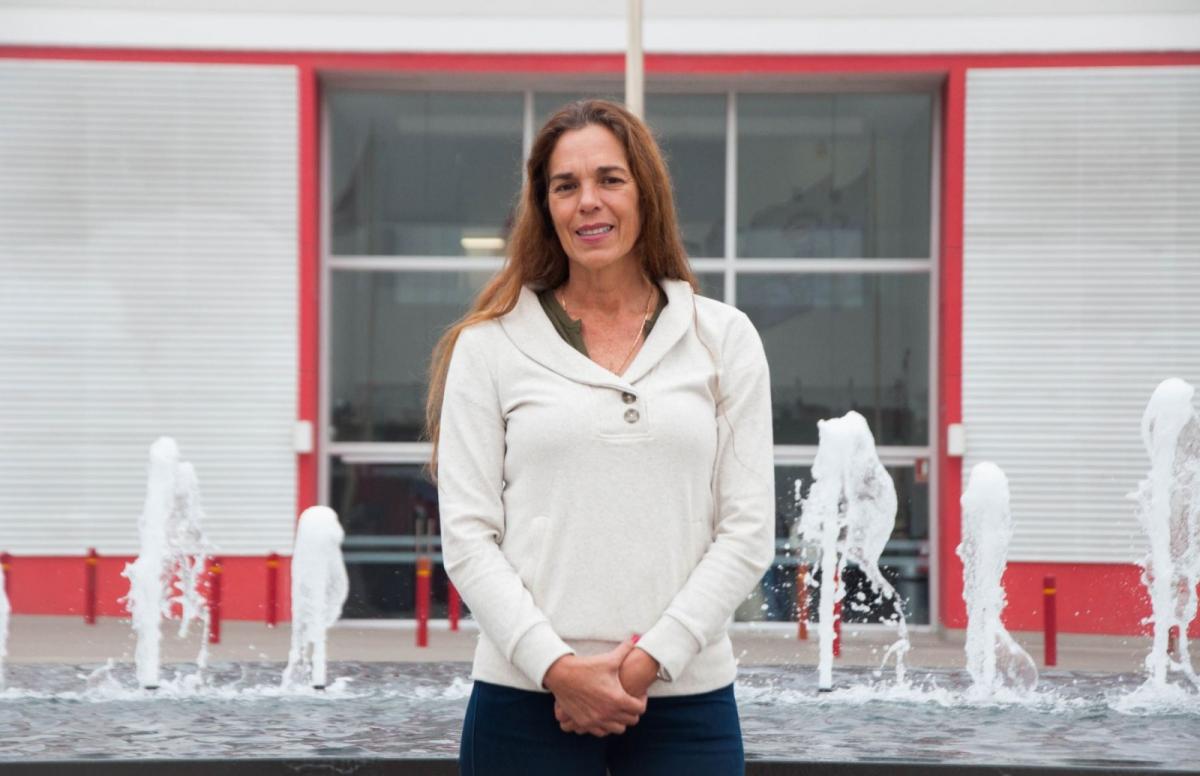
[405, 718]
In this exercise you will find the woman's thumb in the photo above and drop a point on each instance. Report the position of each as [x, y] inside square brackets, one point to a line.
[625, 647]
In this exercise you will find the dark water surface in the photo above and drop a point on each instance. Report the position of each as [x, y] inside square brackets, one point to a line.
[53, 712]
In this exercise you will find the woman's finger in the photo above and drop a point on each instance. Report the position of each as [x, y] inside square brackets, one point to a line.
[632, 704]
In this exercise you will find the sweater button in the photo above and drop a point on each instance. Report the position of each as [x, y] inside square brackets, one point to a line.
[631, 415]
[628, 398]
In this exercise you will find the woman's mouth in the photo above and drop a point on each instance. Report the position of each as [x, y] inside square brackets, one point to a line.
[593, 232]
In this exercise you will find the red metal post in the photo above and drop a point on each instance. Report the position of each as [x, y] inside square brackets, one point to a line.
[89, 586]
[452, 604]
[802, 600]
[1173, 642]
[423, 593]
[1049, 608]
[837, 629]
[214, 601]
[837, 617]
[6, 566]
[272, 610]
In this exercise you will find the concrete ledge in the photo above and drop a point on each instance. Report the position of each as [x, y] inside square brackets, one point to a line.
[57, 639]
[447, 767]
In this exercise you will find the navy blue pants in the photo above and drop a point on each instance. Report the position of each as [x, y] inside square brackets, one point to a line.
[509, 731]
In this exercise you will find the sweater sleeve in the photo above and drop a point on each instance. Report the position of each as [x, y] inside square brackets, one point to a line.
[471, 446]
[743, 545]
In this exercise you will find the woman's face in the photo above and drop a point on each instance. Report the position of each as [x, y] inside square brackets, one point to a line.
[593, 198]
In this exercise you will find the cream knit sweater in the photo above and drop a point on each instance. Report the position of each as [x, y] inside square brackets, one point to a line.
[579, 508]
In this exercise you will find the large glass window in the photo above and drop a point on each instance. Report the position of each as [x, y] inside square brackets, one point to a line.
[691, 131]
[420, 192]
[841, 342]
[423, 173]
[390, 515]
[384, 328]
[834, 176]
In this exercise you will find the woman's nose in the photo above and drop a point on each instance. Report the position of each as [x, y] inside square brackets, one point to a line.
[588, 199]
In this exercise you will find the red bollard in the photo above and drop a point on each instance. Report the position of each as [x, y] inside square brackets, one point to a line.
[802, 600]
[89, 586]
[452, 604]
[6, 567]
[423, 592]
[272, 611]
[214, 601]
[1173, 642]
[1049, 608]
[837, 617]
[837, 629]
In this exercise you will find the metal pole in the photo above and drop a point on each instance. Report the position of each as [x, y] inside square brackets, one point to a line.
[837, 614]
[214, 601]
[272, 610]
[423, 589]
[802, 600]
[1050, 620]
[424, 592]
[634, 72]
[453, 605]
[89, 586]
[6, 567]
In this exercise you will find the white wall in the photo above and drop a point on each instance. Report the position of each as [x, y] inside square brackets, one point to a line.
[1081, 289]
[148, 256]
[713, 26]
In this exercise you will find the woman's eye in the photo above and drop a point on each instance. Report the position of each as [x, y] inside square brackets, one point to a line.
[613, 181]
[562, 187]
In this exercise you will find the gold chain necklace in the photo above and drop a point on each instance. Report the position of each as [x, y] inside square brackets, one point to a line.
[637, 338]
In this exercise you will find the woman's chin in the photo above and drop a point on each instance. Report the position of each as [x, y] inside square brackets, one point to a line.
[597, 260]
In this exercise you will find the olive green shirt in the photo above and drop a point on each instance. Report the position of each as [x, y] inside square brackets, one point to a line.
[571, 330]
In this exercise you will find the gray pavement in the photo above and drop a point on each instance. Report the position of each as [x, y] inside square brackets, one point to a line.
[45, 639]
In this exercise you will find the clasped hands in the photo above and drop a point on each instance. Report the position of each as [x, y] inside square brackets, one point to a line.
[601, 694]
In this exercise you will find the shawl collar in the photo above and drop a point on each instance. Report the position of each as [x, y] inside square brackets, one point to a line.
[533, 334]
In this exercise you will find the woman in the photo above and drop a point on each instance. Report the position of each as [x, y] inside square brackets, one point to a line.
[602, 447]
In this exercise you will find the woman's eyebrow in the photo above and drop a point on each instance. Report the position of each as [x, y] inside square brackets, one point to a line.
[602, 170]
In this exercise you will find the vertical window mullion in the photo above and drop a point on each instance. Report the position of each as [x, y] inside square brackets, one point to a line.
[935, 273]
[730, 197]
[325, 227]
[527, 132]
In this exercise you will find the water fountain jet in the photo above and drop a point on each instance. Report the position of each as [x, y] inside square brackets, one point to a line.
[170, 562]
[319, 589]
[851, 512]
[1168, 509]
[994, 659]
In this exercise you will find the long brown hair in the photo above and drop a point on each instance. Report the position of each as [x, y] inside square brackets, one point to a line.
[536, 258]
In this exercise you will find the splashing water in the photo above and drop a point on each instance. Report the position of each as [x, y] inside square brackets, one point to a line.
[319, 589]
[1168, 508]
[170, 562]
[994, 660]
[5, 608]
[850, 511]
